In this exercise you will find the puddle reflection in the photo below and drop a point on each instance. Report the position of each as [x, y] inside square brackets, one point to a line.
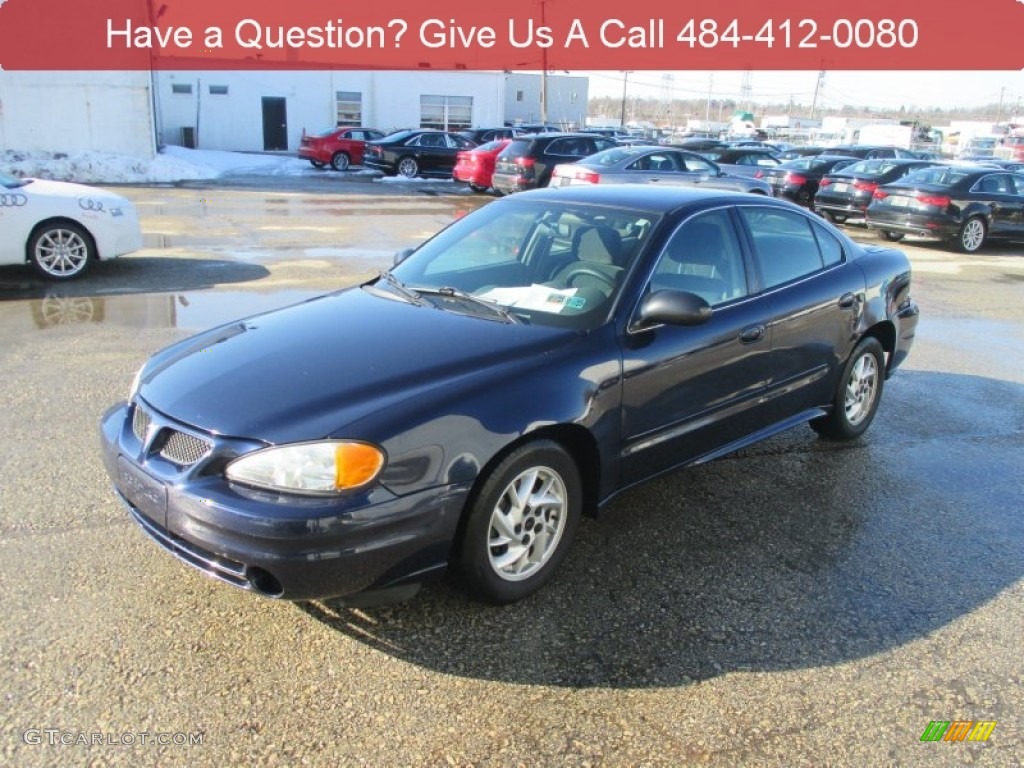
[187, 311]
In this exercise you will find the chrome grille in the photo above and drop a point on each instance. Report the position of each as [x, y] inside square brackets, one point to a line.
[184, 449]
[140, 423]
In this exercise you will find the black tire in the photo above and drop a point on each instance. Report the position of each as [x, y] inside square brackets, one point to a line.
[971, 236]
[892, 237]
[340, 161]
[408, 167]
[497, 555]
[477, 187]
[804, 198]
[317, 163]
[61, 250]
[858, 394]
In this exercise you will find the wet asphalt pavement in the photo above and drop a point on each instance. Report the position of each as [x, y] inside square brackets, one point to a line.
[798, 603]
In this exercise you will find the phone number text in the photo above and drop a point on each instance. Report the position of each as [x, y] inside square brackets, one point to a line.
[801, 33]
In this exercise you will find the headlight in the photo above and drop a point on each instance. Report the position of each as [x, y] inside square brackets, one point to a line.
[135, 384]
[328, 466]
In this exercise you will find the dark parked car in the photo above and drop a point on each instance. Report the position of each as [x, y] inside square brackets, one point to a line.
[794, 153]
[337, 147]
[527, 162]
[518, 370]
[847, 192]
[869, 152]
[798, 180]
[963, 205]
[484, 135]
[476, 166]
[744, 160]
[419, 152]
[663, 166]
[699, 145]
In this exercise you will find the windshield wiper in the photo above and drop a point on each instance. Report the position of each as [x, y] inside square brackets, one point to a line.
[456, 293]
[402, 289]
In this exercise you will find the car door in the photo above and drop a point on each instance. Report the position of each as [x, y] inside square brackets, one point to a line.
[687, 169]
[999, 193]
[815, 296]
[1017, 180]
[688, 391]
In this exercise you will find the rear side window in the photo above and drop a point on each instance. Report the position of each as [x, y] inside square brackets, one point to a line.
[570, 147]
[786, 246]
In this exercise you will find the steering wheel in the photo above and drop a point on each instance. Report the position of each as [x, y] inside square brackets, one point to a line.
[590, 272]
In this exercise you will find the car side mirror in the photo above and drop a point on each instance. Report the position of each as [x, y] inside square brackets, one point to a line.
[672, 308]
[402, 255]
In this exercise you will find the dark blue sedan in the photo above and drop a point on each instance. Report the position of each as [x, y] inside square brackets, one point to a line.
[513, 373]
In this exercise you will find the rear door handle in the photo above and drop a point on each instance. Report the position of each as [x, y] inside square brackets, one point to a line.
[847, 300]
[752, 334]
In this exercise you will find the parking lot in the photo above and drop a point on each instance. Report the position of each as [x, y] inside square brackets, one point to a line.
[798, 603]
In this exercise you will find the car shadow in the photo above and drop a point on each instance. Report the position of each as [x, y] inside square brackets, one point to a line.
[132, 274]
[794, 553]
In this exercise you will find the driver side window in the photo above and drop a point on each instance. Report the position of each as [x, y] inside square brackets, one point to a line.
[703, 257]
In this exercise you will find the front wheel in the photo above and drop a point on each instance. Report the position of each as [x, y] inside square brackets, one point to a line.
[521, 523]
[971, 236]
[892, 237]
[61, 251]
[408, 167]
[858, 394]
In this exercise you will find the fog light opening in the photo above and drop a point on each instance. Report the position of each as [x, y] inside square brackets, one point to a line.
[264, 582]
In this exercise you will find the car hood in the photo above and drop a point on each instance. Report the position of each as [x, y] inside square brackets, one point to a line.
[306, 371]
[68, 190]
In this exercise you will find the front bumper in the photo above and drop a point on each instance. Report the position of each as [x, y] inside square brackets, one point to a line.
[278, 545]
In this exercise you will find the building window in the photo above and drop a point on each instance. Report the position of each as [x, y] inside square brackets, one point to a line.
[184, 89]
[520, 96]
[218, 90]
[573, 97]
[446, 113]
[349, 107]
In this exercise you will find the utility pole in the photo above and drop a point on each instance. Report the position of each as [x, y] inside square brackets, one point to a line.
[707, 112]
[625, 79]
[999, 109]
[817, 88]
[544, 73]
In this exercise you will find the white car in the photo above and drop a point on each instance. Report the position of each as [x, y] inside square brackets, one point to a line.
[61, 228]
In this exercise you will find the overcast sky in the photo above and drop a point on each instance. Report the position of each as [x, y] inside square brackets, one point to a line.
[876, 89]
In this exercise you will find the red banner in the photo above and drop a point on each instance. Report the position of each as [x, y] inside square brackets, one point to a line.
[469, 34]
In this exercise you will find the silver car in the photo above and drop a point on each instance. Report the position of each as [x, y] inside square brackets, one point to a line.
[653, 165]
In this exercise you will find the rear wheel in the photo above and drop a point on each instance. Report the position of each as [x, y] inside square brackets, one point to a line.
[521, 523]
[340, 161]
[892, 237]
[477, 187]
[804, 198]
[858, 394]
[971, 236]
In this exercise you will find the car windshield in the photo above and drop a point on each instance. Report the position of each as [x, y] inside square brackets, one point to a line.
[941, 176]
[613, 156]
[546, 263]
[397, 135]
[870, 167]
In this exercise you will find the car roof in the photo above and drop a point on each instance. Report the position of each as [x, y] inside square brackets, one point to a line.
[648, 198]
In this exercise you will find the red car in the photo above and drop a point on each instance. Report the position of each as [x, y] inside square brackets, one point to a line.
[338, 147]
[476, 166]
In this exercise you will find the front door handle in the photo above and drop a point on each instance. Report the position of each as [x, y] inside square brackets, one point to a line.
[752, 334]
[847, 300]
